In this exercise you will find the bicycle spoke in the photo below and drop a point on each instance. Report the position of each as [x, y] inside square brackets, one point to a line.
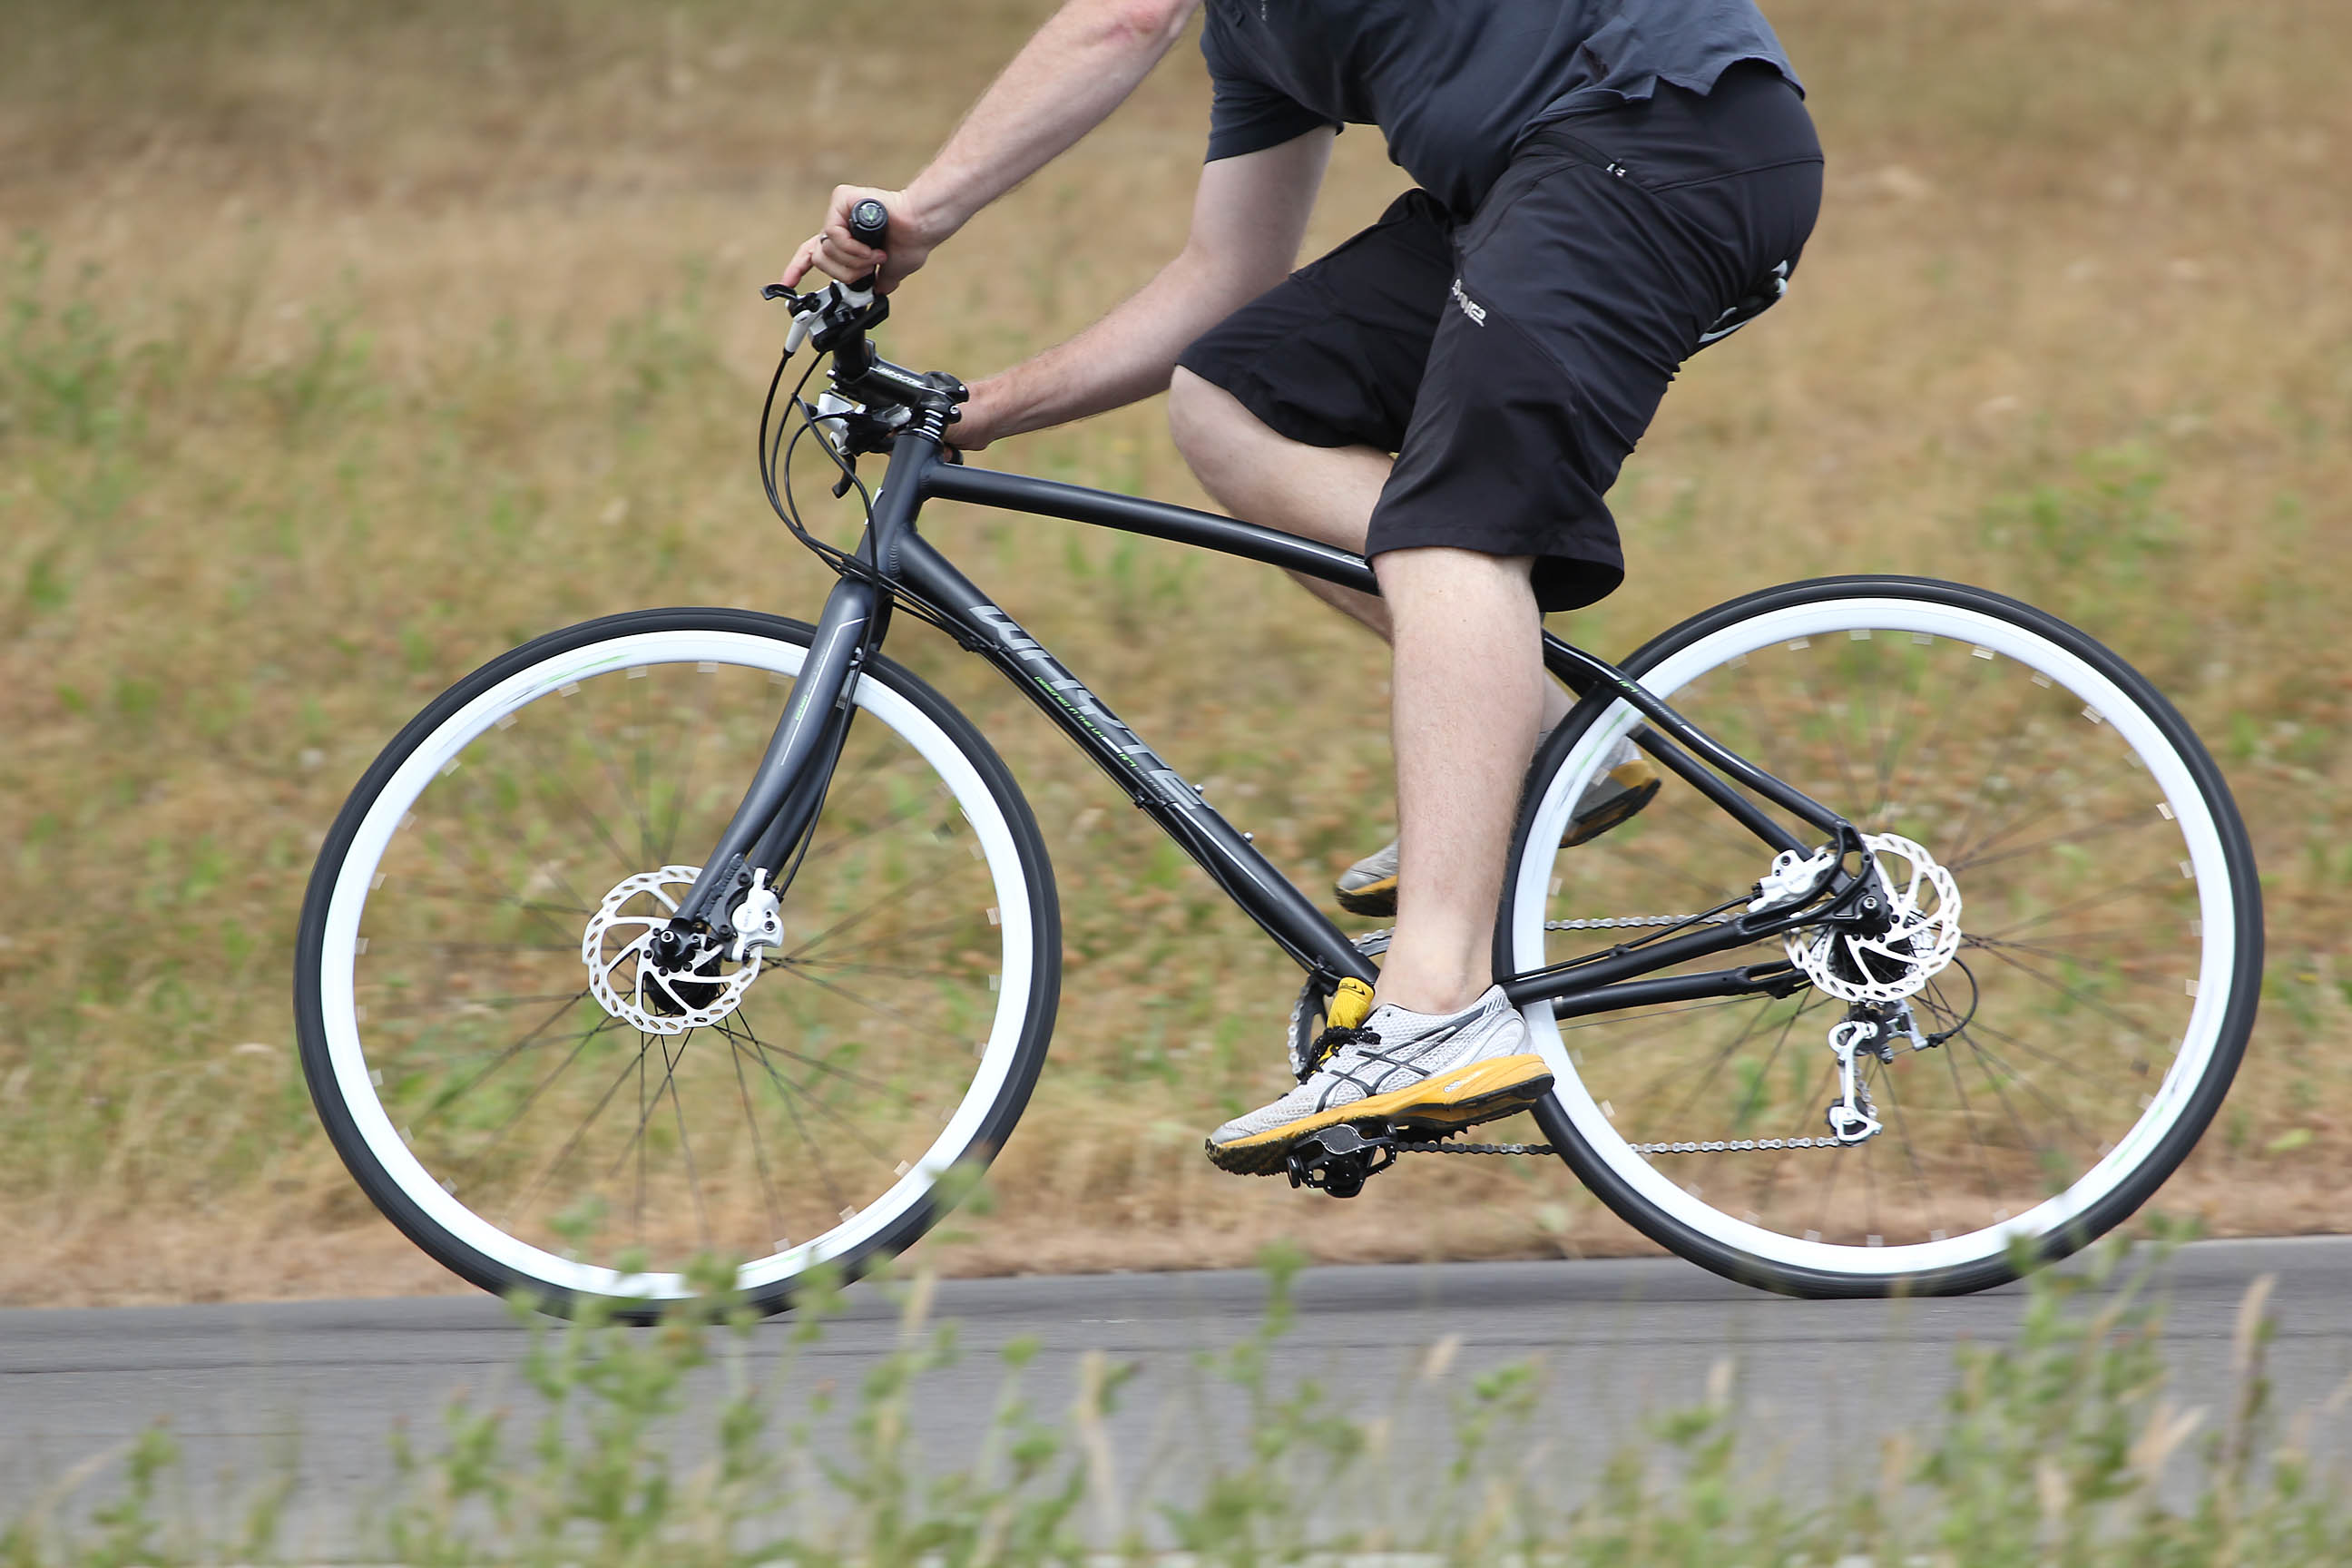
[857, 1134]
[2079, 998]
[2045, 802]
[2121, 822]
[868, 1084]
[506, 899]
[878, 1010]
[792, 1109]
[595, 823]
[904, 814]
[1891, 748]
[686, 773]
[2142, 963]
[1700, 1079]
[1986, 1064]
[890, 970]
[468, 784]
[1911, 1153]
[382, 1011]
[1976, 1136]
[514, 1119]
[1764, 1078]
[530, 1194]
[898, 894]
[2165, 878]
[614, 775]
[685, 1142]
[778, 1232]
[448, 1097]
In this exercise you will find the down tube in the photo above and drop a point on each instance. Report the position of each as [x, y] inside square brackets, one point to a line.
[1226, 855]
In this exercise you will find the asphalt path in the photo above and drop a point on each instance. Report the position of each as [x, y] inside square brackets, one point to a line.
[250, 1391]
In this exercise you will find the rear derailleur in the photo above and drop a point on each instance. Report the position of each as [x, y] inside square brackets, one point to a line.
[1869, 1030]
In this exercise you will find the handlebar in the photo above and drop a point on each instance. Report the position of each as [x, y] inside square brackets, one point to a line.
[836, 319]
[869, 224]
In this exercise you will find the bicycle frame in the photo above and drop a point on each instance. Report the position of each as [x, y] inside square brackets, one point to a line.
[785, 794]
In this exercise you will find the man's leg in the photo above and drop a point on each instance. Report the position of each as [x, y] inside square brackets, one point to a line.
[1323, 493]
[1471, 694]
[1469, 687]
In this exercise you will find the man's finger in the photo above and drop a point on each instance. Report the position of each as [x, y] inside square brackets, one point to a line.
[855, 259]
[811, 254]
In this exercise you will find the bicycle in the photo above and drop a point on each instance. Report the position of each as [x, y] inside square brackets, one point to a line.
[1778, 1050]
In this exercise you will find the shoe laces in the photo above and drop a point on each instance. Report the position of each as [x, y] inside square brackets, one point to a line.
[1331, 1042]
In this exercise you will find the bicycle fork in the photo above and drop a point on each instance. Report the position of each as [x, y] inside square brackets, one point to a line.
[790, 784]
[789, 788]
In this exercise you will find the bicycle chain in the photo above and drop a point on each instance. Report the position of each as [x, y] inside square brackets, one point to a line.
[1703, 1146]
[1735, 1145]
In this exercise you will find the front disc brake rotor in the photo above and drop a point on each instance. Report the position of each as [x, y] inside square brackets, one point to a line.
[628, 984]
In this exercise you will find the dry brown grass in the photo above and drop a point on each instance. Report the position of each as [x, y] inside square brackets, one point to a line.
[365, 342]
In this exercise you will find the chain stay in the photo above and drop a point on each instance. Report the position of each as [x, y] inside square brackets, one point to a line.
[1616, 922]
[1613, 923]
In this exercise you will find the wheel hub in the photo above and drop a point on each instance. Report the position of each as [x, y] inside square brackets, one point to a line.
[624, 947]
[1921, 931]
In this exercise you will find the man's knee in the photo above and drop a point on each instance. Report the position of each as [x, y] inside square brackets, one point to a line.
[1203, 418]
[1453, 583]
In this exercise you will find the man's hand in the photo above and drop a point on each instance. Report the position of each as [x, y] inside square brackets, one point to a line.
[980, 421]
[834, 253]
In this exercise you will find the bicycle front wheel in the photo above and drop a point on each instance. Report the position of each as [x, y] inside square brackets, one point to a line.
[2068, 1054]
[541, 1111]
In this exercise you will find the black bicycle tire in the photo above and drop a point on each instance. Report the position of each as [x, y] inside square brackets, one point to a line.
[465, 1261]
[2129, 1195]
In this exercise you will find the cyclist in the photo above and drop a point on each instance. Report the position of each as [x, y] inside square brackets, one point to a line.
[1603, 187]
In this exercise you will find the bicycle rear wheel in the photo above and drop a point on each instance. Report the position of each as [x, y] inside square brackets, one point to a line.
[2101, 994]
[540, 1112]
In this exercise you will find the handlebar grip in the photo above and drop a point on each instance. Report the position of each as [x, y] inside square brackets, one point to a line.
[869, 224]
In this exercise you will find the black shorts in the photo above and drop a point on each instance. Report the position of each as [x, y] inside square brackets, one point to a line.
[1512, 361]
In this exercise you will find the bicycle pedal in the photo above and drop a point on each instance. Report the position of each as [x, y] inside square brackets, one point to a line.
[1339, 1159]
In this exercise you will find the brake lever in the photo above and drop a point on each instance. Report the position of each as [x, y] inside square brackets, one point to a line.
[822, 312]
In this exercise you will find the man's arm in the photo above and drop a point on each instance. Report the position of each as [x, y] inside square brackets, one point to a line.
[1080, 66]
[1248, 222]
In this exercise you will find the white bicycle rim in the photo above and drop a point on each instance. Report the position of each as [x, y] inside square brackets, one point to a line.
[348, 1052]
[2208, 864]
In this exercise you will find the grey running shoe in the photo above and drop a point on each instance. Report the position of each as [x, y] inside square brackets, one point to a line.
[1424, 1071]
[1369, 887]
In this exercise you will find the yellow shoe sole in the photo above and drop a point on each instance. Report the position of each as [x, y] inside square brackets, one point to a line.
[1377, 899]
[1637, 785]
[1443, 1102]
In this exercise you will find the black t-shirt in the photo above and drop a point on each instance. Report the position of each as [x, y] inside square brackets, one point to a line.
[1457, 84]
